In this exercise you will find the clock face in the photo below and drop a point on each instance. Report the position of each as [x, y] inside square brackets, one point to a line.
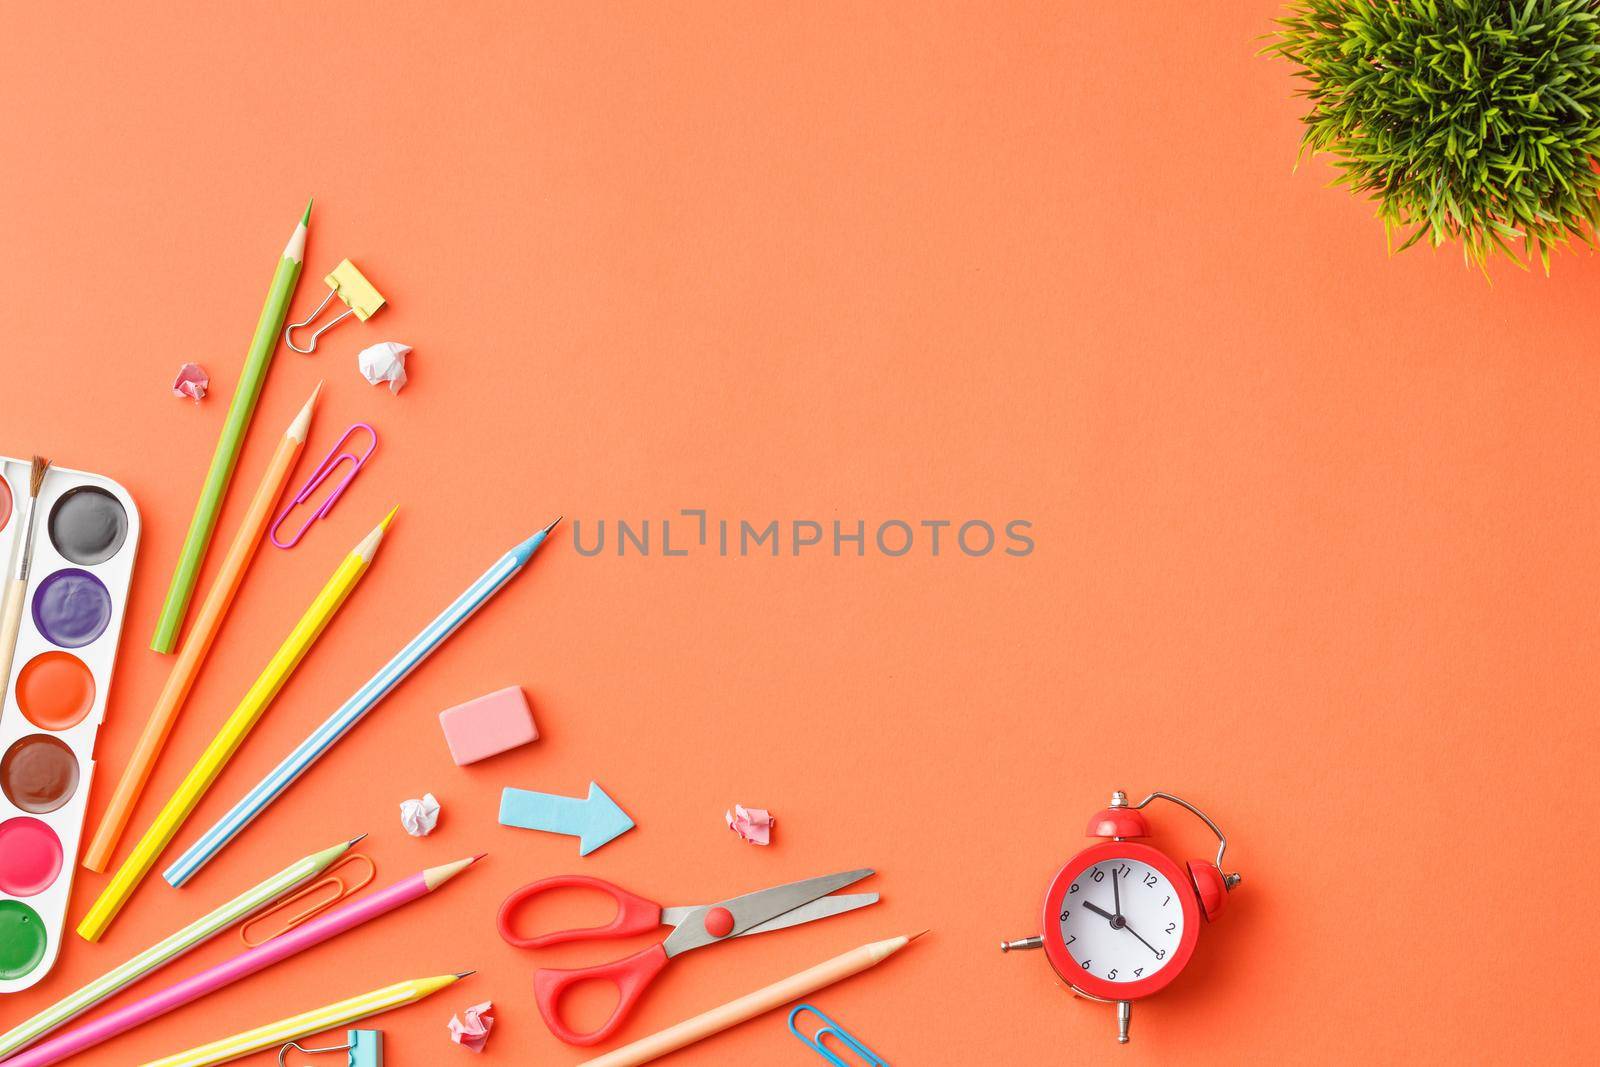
[1122, 920]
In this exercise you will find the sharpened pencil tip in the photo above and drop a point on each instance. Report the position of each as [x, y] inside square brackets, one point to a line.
[479, 856]
[354, 841]
[305, 220]
[438, 876]
[465, 974]
[368, 548]
[387, 519]
[913, 937]
[300, 428]
[524, 552]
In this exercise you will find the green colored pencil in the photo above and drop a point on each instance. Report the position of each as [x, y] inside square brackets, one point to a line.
[240, 410]
[159, 955]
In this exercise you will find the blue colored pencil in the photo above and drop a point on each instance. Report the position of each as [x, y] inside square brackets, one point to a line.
[365, 699]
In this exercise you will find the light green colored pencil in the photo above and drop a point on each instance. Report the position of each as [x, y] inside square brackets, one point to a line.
[240, 410]
[164, 952]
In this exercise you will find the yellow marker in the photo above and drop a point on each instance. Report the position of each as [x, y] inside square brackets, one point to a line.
[274, 1035]
[232, 735]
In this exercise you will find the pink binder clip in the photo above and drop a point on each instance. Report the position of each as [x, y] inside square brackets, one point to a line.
[331, 461]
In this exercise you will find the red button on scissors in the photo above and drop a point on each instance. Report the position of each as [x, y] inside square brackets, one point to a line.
[754, 913]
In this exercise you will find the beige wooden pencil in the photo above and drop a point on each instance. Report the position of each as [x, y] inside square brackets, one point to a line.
[751, 1005]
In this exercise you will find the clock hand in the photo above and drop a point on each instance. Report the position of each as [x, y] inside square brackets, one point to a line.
[1142, 941]
[1103, 913]
[1116, 895]
[1118, 922]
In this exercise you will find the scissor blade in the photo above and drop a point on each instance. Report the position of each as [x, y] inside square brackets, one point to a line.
[817, 909]
[836, 904]
[754, 909]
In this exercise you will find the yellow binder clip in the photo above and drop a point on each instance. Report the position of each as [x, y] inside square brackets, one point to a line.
[349, 285]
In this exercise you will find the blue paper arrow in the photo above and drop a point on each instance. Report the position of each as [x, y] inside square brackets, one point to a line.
[593, 822]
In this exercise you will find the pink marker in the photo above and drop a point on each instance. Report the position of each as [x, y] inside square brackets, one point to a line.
[82, 1038]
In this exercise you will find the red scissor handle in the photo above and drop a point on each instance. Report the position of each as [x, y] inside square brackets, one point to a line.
[635, 915]
[631, 975]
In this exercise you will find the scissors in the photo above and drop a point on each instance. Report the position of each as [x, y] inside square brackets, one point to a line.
[754, 913]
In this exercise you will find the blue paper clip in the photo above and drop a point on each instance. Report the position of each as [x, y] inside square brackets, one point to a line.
[362, 1048]
[320, 475]
[818, 1040]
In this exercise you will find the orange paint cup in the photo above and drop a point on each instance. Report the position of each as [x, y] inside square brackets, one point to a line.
[55, 690]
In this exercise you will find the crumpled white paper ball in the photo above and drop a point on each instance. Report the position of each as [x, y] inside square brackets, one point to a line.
[384, 362]
[419, 817]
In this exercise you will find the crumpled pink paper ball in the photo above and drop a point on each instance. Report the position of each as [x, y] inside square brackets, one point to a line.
[192, 382]
[471, 1028]
[752, 824]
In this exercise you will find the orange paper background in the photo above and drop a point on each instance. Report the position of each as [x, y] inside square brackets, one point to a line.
[1315, 527]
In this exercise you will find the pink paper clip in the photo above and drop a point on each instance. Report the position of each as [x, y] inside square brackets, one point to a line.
[320, 475]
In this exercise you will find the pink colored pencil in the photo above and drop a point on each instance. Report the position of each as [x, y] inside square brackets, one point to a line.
[318, 930]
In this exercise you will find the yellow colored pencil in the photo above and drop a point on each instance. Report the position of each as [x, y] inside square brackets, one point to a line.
[274, 1035]
[186, 667]
[232, 735]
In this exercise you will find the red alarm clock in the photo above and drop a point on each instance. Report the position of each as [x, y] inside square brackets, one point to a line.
[1121, 919]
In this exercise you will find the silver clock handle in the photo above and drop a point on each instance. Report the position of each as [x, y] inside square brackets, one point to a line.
[1222, 840]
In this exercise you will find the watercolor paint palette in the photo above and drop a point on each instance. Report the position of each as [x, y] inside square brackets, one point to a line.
[85, 538]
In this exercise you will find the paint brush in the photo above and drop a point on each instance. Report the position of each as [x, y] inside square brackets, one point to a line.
[192, 656]
[17, 588]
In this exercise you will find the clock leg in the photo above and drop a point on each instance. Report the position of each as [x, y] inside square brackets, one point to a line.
[1025, 943]
[1124, 1016]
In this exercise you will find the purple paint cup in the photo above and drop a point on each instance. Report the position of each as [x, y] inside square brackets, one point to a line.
[71, 608]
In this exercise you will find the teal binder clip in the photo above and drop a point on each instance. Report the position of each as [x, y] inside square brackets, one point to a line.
[817, 1041]
[362, 1048]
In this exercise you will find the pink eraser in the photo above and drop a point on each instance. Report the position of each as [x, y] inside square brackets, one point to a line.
[489, 725]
